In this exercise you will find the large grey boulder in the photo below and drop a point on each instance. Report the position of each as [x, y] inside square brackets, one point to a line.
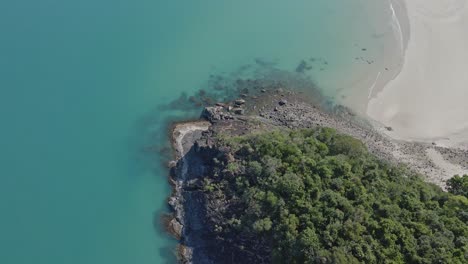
[238, 111]
[175, 228]
[215, 113]
[282, 102]
[239, 102]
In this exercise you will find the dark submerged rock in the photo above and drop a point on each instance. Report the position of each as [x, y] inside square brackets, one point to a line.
[303, 66]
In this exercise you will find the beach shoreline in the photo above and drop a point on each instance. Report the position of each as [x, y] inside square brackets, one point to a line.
[376, 66]
[425, 101]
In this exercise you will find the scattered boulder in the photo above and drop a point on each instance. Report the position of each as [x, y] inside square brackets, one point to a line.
[389, 128]
[239, 102]
[212, 113]
[193, 100]
[215, 113]
[171, 164]
[238, 111]
[184, 254]
[219, 87]
[282, 102]
[208, 100]
[175, 228]
[303, 66]
[263, 91]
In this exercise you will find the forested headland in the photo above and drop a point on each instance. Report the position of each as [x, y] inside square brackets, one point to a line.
[317, 196]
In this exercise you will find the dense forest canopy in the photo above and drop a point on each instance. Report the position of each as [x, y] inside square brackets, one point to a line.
[458, 185]
[316, 196]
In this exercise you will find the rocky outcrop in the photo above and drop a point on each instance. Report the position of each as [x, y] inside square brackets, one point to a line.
[184, 138]
[197, 212]
[238, 111]
[175, 228]
[239, 102]
[215, 113]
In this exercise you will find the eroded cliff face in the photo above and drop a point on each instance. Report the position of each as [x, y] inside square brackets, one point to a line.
[196, 211]
[185, 201]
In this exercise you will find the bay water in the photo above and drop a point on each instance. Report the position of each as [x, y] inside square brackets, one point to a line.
[81, 83]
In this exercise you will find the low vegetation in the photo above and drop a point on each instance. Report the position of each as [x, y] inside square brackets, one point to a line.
[316, 196]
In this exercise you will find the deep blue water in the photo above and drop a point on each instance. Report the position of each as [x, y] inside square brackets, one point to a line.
[79, 85]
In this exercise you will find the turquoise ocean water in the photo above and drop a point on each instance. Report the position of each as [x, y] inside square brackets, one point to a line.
[79, 85]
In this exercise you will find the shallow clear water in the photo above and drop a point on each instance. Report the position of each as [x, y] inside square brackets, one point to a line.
[79, 85]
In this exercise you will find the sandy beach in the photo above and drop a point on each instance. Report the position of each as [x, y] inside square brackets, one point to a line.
[426, 101]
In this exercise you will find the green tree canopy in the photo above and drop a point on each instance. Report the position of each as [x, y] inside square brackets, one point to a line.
[458, 185]
[315, 196]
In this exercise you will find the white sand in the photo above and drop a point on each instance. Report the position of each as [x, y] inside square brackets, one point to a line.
[428, 100]
[447, 169]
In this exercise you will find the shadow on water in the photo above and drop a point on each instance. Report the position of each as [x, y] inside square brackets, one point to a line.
[151, 136]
